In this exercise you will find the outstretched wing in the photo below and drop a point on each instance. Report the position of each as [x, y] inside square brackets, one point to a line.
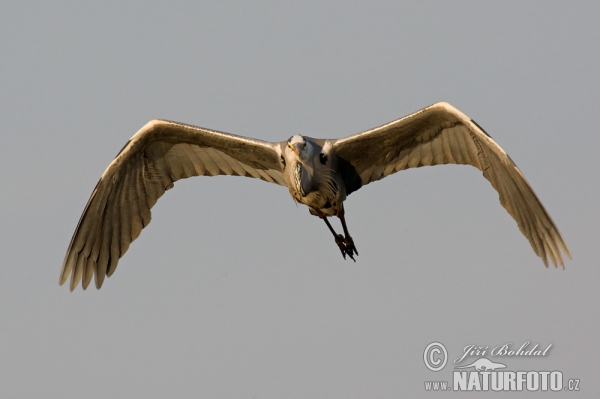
[158, 155]
[441, 134]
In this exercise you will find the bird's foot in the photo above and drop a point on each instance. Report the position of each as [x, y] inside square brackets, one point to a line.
[346, 246]
[339, 240]
[350, 248]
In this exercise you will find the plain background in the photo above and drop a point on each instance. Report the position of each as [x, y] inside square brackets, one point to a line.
[233, 291]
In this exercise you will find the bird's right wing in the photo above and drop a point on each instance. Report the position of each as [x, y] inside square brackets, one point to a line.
[441, 134]
[158, 155]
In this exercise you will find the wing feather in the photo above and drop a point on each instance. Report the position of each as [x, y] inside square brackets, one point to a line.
[414, 159]
[448, 158]
[126, 222]
[133, 210]
[265, 176]
[187, 157]
[426, 154]
[251, 172]
[78, 272]
[437, 150]
[158, 155]
[221, 161]
[236, 167]
[454, 140]
[212, 169]
[441, 134]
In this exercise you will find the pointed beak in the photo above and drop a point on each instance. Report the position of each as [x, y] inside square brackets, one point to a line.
[296, 147]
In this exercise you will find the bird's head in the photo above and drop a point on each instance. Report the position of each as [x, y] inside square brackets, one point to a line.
[299, 146]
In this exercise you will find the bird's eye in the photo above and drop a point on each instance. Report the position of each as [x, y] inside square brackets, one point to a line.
[323, 158]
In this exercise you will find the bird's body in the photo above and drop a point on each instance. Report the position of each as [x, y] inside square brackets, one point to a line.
[313, 180]
[319, 173]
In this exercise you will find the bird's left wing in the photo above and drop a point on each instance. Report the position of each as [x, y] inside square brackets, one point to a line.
[158, 155]
[441, 134]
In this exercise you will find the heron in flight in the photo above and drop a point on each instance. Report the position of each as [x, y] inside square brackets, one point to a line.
[319, 173]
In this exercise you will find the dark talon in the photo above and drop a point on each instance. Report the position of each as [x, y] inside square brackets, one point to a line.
[345, 244]
[339, 240]
[350, 247]
[350, 252]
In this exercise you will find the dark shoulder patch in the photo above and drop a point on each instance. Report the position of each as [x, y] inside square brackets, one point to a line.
[482, 129]
[348, 173]
[323, 158]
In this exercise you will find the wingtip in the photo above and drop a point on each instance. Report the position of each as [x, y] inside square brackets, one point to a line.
[62, 279]
[557, 262]
[98, 280]
[566, 251]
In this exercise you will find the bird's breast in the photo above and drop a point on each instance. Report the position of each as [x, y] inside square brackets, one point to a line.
[298, 173]
[319, 191]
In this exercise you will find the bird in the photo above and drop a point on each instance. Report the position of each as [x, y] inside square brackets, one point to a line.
[319, 173]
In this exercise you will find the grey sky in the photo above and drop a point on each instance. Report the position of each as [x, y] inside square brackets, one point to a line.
[232, 290]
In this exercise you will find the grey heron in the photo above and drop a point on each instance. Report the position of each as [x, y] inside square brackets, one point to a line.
[319, 173]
